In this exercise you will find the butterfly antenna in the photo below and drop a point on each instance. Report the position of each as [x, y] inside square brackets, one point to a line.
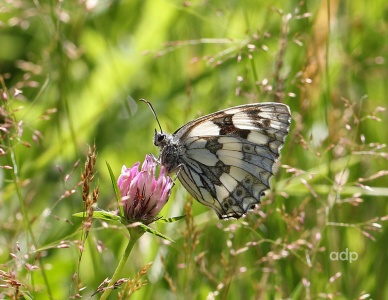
[153, 111]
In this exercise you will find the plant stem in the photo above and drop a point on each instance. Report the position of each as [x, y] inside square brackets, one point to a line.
[135, 233]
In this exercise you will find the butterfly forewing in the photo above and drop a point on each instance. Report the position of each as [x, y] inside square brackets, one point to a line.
[225, 160]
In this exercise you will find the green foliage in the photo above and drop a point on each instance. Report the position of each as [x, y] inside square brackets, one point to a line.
[69, 71]
[115, 188]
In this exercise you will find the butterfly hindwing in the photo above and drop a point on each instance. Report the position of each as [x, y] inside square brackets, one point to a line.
[225, 159]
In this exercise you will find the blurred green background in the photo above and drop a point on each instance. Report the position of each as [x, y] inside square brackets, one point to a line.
[71, 73]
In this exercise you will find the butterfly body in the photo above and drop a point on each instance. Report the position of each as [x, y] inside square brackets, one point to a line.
[225, 159]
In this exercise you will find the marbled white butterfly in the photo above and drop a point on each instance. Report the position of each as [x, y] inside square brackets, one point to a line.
[225, 159]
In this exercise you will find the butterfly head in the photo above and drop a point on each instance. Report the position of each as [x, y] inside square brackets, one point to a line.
[160, 139]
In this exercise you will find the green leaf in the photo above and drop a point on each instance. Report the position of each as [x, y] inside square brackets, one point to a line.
[155, 232]
[171, 220]
[115, 188]
[101, 214]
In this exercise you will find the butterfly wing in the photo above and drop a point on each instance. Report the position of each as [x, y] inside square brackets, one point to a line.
[229, 155]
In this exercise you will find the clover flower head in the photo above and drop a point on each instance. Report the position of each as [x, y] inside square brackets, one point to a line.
[142, 195]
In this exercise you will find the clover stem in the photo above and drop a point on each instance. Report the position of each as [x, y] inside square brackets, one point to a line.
[135, 234]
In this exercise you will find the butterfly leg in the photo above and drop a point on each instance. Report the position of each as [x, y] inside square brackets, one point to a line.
[156, 159]
[179, 168]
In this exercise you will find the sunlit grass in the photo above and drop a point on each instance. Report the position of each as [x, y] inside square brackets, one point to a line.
[67, 70]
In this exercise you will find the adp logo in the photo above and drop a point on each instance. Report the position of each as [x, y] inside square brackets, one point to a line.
[344, 255]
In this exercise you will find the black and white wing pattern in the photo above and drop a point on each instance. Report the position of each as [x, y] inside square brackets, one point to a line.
[225, 159]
